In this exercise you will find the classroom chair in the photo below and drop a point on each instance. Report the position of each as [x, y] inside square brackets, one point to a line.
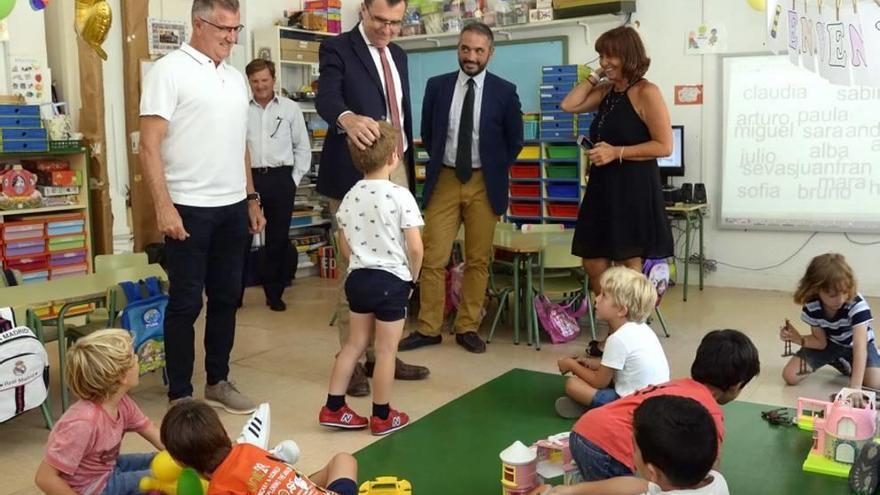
[560, 278]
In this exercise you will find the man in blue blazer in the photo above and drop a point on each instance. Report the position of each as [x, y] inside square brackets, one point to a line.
[472, 129]
[364, 78]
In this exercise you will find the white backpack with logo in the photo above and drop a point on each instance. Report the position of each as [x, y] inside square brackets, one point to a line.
[24, 372]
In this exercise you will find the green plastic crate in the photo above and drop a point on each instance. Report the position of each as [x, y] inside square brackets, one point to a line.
[562, 171]
[557, 152]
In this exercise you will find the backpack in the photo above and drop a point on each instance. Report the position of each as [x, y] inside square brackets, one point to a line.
[557, 320]
[144, 317]
[657, 271]
[24, 372]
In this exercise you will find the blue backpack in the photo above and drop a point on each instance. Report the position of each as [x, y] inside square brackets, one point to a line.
[144, 317]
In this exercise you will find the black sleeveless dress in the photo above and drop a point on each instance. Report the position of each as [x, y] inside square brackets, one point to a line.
[622, 215]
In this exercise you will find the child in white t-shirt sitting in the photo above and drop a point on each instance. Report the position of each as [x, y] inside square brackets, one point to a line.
[379, 234]
[633, 357]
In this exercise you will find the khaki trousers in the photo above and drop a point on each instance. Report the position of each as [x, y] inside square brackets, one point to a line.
[398, 176]
[451, 204]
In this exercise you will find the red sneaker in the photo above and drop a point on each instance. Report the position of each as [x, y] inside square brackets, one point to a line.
[396, 420]
[343, 418]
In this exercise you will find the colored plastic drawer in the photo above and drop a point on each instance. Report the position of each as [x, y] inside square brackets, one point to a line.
[28, 263]
[420, 188]
[555, 125]
[34, 277]
[562, 171]
[13, 146]
[9, 134]
[530, 130]
[65, 228]
[525, 171]
[68, 258]
[525, 210]
[557, 117]
[563, 211]
[31, 110]
[557, 152]
[8, 122]
[13, 231]
[547, 97]
[68, 271]
[24, 248]
[551, 106]
[568, 69]
[529, 153]
[556, 88]
[556, 79]
[558, 134]
[525, 190]
[567, 191]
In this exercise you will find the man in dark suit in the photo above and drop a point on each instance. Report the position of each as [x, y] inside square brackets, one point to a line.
[472, 129]
[364, 78]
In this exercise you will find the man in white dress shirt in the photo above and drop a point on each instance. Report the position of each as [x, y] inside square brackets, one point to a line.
[281, 155]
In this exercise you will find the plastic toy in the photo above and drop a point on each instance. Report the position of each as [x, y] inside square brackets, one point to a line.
[172, 479]
[519, 474]
[385, 485]
[840, 429]
[19, 189]
[778, 417]
[554, 458]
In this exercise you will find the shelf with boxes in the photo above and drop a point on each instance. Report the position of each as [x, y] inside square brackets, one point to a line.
[548, 178]
[421, 168]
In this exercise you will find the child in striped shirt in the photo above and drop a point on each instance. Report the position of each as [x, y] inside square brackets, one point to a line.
[841, 333]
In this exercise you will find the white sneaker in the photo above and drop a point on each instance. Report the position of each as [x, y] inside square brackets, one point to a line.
[256, 430]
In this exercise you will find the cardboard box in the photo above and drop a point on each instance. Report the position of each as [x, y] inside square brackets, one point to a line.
[540, 15]
[566, 9]
[300, 45]
[299, 56]
[322, 4]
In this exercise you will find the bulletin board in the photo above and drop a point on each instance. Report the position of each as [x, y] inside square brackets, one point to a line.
[519, 62]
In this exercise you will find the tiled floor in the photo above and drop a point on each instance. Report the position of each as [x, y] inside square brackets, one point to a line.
[285, 358]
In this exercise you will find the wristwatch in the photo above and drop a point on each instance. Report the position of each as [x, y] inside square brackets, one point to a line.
[254, 196]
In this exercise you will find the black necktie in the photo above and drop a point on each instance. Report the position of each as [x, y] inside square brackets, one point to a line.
[463, 161]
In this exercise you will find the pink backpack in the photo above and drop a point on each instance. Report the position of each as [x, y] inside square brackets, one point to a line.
[557, 320]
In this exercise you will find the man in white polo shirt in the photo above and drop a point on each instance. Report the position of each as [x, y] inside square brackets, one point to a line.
[193, 128]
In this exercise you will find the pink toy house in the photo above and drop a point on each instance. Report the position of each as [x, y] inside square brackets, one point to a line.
[554, 458]
[840, 430]
[518, 469]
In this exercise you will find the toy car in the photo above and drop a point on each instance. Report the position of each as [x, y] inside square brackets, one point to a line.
[385, 485]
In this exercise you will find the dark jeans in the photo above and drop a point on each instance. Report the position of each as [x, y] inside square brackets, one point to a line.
[594, 463]
[277, 191]
[208, 260]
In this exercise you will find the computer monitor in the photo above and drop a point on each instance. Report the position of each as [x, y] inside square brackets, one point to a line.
[673, 165]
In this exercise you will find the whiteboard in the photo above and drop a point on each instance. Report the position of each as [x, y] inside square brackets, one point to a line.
[799, 153]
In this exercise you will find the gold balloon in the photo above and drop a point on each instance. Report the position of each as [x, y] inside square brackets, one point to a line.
[759, 5]
[93, 20]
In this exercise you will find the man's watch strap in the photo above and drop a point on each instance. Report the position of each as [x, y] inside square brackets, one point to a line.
[254, 196]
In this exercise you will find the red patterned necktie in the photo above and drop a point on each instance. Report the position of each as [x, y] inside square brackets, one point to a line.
[391, 96]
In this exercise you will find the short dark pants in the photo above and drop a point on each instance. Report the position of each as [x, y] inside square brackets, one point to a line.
[343, 486]
[378, 292]
[838, 356]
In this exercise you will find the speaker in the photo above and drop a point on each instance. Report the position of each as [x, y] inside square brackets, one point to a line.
[687, 192]
[700, 193]
[671, 195]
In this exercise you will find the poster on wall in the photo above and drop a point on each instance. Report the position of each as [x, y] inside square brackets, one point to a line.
[706, 39]
[28, 79]
[688, 94]
[165, 36]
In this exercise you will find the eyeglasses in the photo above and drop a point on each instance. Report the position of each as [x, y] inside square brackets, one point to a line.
[226, 29]
[384, 22]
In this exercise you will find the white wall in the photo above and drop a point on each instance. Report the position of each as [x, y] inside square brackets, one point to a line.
[26, 39]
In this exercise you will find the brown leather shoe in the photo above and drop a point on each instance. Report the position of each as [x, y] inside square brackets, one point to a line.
[358, 386]
[402, 371]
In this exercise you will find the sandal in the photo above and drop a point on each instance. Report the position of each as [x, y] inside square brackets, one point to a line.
[593, 349]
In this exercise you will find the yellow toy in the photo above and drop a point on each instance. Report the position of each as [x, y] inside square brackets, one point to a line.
[171, 479]
[386, 485]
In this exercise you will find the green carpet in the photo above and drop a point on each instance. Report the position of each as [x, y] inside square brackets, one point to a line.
[454, 450]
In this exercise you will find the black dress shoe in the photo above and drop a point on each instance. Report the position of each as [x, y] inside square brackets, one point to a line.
[358, 386]
[471, 341]
[277, 305]
[416, 340]
[402, 371]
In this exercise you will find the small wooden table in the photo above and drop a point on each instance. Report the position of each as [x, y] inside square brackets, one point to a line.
[72, 291]
[691, 214]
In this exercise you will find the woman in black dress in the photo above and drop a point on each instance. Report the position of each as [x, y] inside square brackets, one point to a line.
[622, 219]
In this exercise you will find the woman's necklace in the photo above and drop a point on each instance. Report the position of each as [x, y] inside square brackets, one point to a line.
[608, 103]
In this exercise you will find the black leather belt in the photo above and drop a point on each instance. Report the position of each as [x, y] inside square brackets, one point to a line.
[269, 170]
